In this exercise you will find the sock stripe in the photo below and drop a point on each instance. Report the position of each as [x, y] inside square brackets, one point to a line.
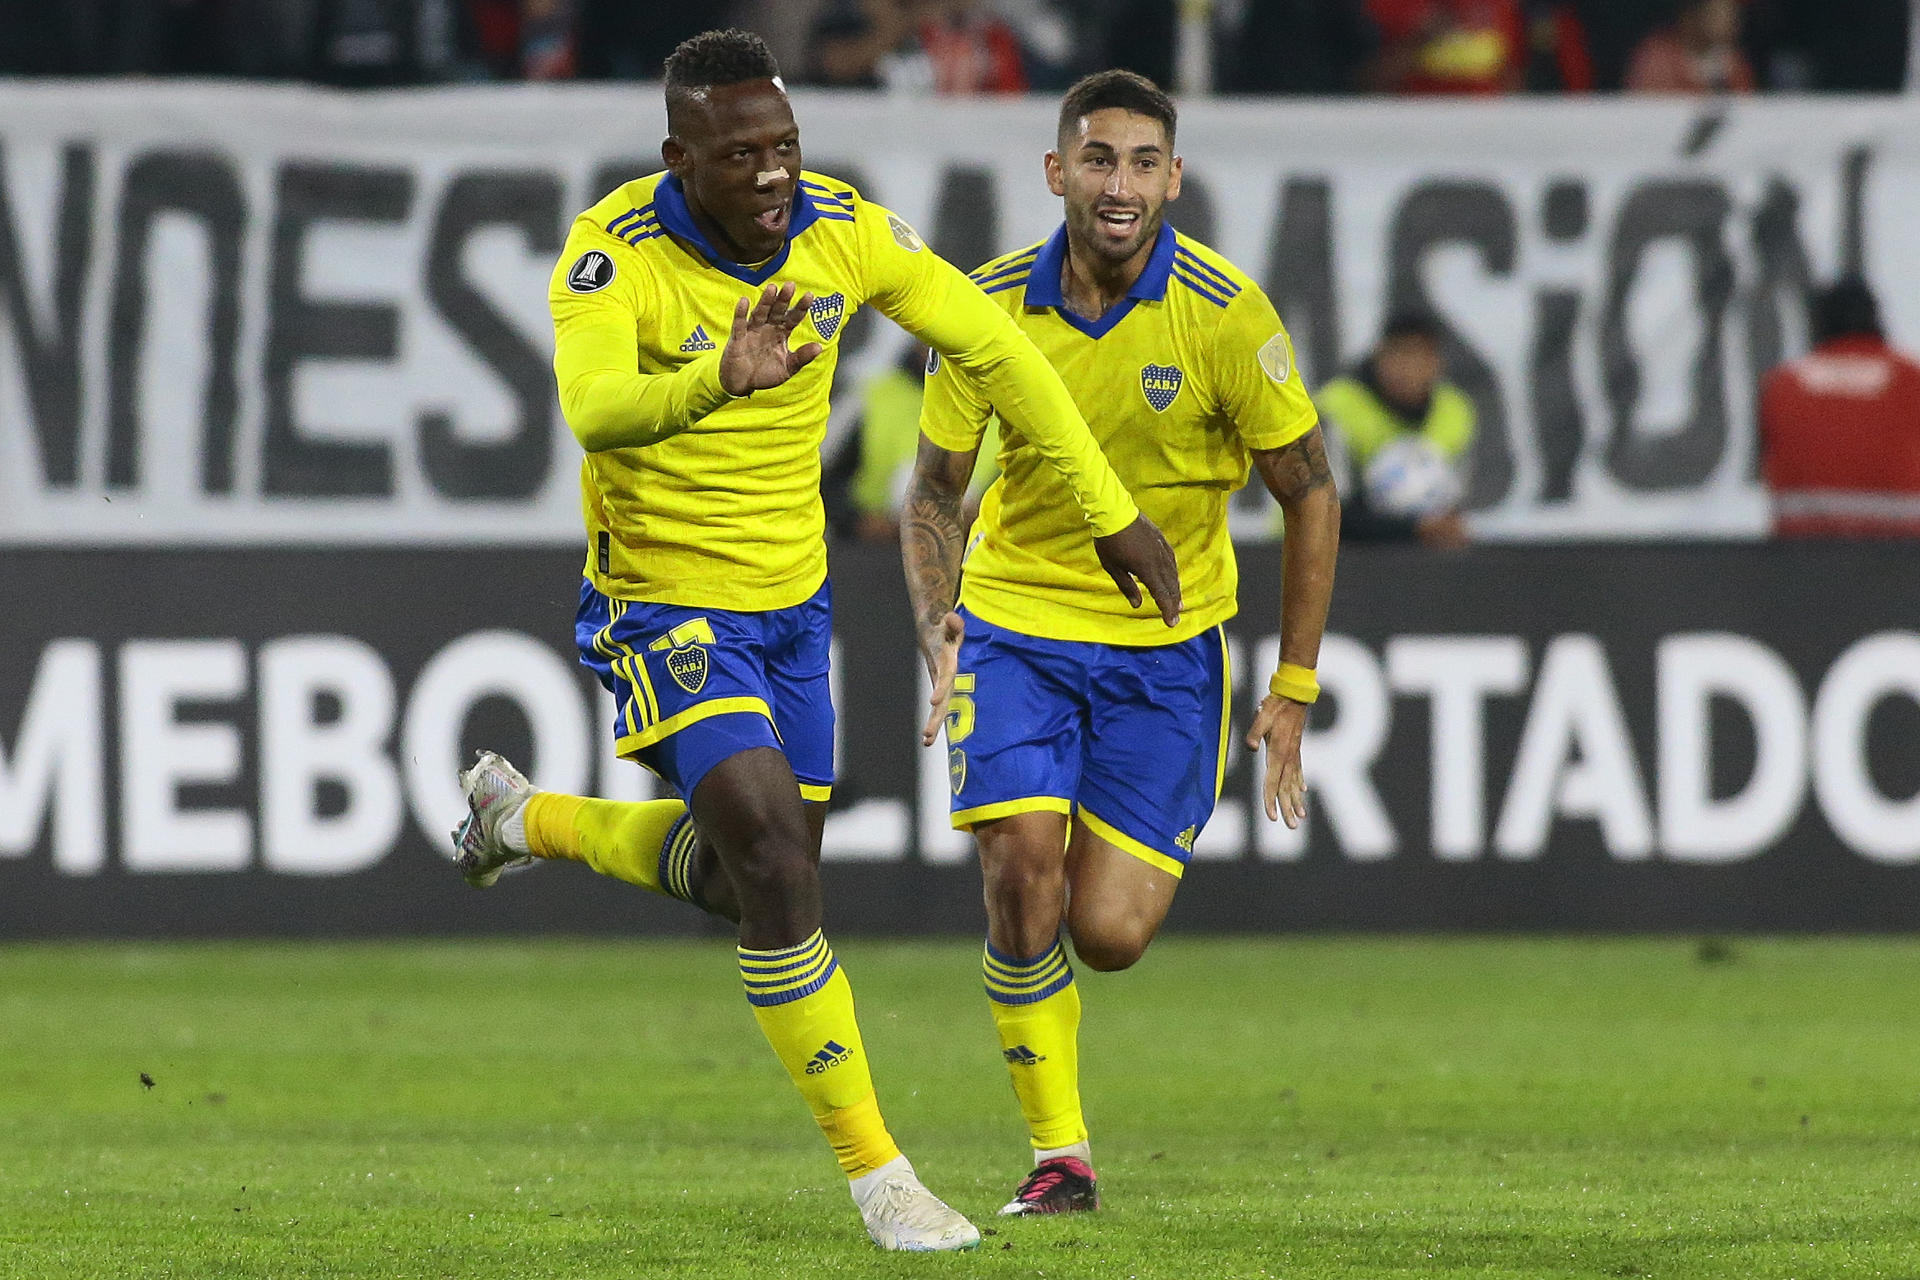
[792, 973]
[764, 962]
[1011, 981]
[784, 953]
[676, 858]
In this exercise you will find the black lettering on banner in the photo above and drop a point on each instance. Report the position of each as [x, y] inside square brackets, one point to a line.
[1299, 278]
[617, 173]
[1559, 427]
[204, 186]
[966, 217]
[516, 467]
[1853, 205]
[1195, 213]
[301, 328]
[50, 360]
[1564, 209]
[1476, 214]
[1693, 211]
[1782, 284]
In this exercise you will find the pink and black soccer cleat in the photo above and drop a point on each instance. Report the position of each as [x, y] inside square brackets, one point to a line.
[1063, 1184]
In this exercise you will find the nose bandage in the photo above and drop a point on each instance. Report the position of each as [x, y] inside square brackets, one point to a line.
[769, 177]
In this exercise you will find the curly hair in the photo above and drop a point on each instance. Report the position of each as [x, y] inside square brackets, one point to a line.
[719, 57]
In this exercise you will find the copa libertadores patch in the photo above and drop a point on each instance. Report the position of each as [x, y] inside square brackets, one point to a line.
[591, 272]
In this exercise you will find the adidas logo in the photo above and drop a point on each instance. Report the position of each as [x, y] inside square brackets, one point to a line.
[829, 1056]
[1185, 839]
[1021, 1056]
[698, 340]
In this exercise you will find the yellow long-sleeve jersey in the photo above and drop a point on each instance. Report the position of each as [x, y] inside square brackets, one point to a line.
[1185, 375]
[695, 497]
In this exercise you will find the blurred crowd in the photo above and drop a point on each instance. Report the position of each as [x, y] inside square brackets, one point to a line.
[1002, 46]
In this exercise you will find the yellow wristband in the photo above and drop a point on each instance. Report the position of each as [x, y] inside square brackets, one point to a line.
[1295, 682]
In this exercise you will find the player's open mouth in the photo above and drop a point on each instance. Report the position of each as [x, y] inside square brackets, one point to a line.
[1119, 221]
[774, 220]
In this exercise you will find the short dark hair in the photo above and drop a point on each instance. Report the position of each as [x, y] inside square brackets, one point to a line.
[719, 57]
[1127, 90]
[1845, 307]
[1411, 322]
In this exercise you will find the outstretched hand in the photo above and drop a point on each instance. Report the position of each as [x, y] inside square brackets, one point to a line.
[1278, 727]
[942, 650]
[1141, 551]
[756, 356]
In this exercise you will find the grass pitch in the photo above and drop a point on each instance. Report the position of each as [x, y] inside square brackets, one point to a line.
[1322, 1108]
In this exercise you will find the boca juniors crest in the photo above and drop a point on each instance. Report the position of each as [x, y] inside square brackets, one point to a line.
[1161, 383]
[827, 313]
[688, 667]
[957, 769]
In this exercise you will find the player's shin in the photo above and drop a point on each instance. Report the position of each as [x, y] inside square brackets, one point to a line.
[648, 843]
[1036, 1009]
[804, 1005]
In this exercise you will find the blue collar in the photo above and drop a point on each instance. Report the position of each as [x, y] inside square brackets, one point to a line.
[670, 202]
[1043, 285]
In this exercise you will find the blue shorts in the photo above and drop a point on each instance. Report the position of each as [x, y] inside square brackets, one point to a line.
[693, 686]
[1130, 740]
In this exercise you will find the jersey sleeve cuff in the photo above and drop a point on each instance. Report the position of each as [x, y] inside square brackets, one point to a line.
[1281, 437]
[704, 392]
[1114, 520]
[953, 441]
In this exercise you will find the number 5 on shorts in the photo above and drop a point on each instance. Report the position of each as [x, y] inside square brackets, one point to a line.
[960, 710]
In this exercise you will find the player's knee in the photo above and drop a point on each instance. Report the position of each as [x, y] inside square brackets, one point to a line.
[1108, 947]
[1022, 877]
[772, 866]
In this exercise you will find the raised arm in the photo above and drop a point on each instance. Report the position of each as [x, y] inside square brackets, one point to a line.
[1298, 477]
[932, 531]
[609, 404]
[932, 300]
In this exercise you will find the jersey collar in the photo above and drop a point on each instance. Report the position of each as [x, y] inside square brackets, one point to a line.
[1043, 285]
[670, 202]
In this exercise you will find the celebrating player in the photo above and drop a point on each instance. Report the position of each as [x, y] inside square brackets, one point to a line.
[1086, 744]
[705, 607]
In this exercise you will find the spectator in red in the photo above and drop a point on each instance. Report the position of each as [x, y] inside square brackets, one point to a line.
[970, 50]
[1558, 57]
[1840, 428]
[1698, 53]
[1450, 46]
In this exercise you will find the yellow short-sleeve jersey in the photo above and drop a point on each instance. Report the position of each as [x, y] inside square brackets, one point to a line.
[1179, 380]
[695, 497]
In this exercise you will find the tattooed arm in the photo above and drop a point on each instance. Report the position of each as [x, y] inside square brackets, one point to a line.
[933, 529]
[1298, 477]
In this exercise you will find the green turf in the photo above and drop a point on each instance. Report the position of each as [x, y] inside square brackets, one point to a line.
[1318, 1108]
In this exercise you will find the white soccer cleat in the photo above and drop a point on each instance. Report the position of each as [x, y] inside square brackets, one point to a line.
[901, 1214]
[496, 792]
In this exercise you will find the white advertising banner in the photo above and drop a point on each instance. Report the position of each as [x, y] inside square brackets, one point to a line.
[276, 315]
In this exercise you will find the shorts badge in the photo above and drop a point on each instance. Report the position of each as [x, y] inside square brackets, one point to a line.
[957, 769]
[1161, 383]
[1185, 839]
[827, 313]
[688, 667]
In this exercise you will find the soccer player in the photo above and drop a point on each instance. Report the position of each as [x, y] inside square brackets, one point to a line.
[1086, 746]
[677, 305]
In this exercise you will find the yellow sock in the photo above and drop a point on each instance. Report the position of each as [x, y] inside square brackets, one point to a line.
[649, 843]
[1036, 1008]
[804, 1005]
